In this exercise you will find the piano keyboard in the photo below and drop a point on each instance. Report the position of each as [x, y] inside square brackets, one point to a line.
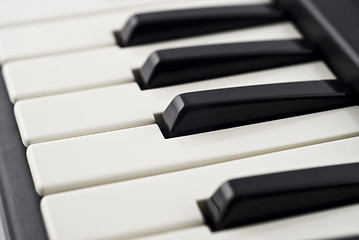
[155, 119]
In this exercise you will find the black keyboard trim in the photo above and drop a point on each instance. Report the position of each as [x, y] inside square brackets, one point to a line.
[320, 22]
[20, 200]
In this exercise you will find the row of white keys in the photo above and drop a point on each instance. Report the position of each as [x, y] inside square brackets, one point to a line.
[111, 65]
[123, 106]
[86, 161]
[168, 202]
[16, 12]
[91, 31]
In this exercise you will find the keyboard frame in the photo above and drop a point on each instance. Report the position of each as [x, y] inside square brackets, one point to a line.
[20, 201]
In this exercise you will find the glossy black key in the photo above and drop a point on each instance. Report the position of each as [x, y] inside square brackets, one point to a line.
[267, 197]
[181, 65]
[158, 26]
[202, 111]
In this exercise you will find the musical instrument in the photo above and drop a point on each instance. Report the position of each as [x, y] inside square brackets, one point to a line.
[203, 119]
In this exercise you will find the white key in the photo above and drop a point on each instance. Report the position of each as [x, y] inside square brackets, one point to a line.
[330, 224]
[66, 73]
[91, 31]
[124, 106]
[15, 12]
[168, 202]
[133, 153]
[111, 65]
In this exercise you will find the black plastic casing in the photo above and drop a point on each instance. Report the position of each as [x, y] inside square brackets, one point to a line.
[332, 26]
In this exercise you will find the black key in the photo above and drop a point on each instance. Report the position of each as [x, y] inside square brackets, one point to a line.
[158, 26]
[197, 112]
[267, 197]
[332, 26]
[347, 238]
[181, 65]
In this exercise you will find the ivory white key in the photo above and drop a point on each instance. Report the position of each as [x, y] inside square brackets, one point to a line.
[330, 224]
[91, 31]
[133, 153]
[14, 12]
[168, 202]
[111, 65]
[126, 105]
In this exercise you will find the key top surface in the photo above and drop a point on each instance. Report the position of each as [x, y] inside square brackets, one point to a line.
[143, 151]
[169, 202]
[82, 113]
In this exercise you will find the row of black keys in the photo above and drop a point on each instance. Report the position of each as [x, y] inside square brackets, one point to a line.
[255, 199]
[203, 111]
